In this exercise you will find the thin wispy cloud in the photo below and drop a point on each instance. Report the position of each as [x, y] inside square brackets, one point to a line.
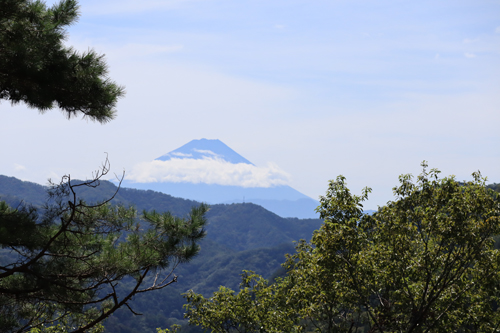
[179, 154]
[141, 50]
[208, 171]
[207, 152]
[131, 6]
[19, 167]
[470, 55]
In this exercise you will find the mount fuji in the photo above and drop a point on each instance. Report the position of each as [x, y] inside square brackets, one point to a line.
[209, 171]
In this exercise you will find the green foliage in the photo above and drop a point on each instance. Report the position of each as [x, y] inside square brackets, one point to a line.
[65, 324]
[257, 307]
[173, 329]
[37, 69]
[70, 257]
[425, 262]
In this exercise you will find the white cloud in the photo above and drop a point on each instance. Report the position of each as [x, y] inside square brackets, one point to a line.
[203, 151]
[497, 30]
[19, 167]
[54, 177]
[470, 55]
[209, 171]
[181, 154]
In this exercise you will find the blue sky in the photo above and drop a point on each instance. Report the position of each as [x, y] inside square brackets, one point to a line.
[367, 89]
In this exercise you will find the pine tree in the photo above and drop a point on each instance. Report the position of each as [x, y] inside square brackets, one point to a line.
[63, 265]
[37, 69]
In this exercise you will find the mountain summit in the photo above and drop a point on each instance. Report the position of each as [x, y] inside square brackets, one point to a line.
[205, 148]
[209, 171]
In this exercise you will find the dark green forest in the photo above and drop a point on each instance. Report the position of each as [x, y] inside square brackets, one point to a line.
[239, 236]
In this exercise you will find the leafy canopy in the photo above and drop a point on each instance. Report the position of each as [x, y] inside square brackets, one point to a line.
[258, 307]
[425, 262]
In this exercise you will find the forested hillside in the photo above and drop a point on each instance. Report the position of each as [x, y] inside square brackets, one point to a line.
[237, 226]
[239, 236]
[495, 187]
[14, 191]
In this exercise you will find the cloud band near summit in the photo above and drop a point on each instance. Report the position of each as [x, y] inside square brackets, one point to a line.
[208, 171]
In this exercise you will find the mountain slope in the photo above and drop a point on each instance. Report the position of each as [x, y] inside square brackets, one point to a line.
[239, 236]
[203, 148]
[237, 226]
[204, 184]
[249, 226]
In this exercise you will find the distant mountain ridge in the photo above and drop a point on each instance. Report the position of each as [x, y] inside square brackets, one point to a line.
[214, 193]
[233, 225]
[280, 199]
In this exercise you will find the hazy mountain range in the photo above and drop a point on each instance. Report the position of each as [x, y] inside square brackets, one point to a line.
[209, 171]
[239, 236]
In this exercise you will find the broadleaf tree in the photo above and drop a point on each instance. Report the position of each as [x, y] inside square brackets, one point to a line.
[425, 262]
[258, 307]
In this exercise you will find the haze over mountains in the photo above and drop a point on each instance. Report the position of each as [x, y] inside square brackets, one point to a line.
[209, 171]
[239, 236]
